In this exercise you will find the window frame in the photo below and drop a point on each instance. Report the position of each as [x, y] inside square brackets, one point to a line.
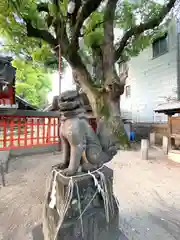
[158, 42]
[128, 91]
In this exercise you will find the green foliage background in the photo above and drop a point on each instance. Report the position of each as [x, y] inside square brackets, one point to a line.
[32, 82]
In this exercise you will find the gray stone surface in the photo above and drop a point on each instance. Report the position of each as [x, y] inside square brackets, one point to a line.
[82, 148]
[37, 233]
[149, 195]
[93, 225]
[4, 160]
[33, 150]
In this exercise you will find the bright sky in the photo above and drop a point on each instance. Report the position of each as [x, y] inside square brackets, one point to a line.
[66, 83]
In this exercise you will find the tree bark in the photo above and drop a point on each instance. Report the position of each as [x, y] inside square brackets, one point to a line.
[81, 76]
[104, 104]
[114, 120]
[97, 65]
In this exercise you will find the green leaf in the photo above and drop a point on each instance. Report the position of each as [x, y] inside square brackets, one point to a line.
[93, 30]
[33, 82]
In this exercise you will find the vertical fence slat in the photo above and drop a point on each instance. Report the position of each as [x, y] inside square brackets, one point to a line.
[43, 131]
[4, 125]
[19, 132]
[38, 126]
[54, 130]
[25, 131]
[11, 132]
[32, 131]
[59, 139]
[48, 127]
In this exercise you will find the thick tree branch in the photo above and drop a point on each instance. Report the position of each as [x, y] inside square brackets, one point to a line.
[86, 10]
[43, 7]
[137, 30]
[108, 48]
[82, 75]
[37, 33]
[97, 65]
[93, 29]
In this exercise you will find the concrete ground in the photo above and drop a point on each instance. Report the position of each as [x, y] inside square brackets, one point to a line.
[21, 200]
[148, 193]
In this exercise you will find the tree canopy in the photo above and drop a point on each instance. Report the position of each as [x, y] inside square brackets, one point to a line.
[35, 28]
[84, 30]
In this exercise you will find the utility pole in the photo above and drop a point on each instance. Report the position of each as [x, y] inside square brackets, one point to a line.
[178, 60]
[59, 68]
[60, 74]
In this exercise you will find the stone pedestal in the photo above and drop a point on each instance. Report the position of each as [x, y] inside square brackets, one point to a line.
[90, 214]
[4, 159]
[165, 145]
[152, 138]
[144, 149]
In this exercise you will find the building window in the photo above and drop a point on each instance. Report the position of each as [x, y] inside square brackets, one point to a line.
[128, 91]
[160, 46]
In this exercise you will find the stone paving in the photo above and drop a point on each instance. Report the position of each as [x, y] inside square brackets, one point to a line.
[149, 195]
[21, 200]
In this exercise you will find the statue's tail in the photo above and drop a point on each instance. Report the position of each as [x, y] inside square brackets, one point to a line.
[109, 143]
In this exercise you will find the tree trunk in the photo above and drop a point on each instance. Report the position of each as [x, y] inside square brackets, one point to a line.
[110, 110]
[104, 104]
[81, 77]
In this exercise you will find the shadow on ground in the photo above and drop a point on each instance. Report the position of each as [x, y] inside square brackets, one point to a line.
[38, 235]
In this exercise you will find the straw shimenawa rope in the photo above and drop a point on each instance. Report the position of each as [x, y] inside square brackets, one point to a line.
[101, 187]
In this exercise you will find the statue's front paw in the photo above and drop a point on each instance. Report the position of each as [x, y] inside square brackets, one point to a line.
[62, 166]
[59, 166]
[88, 167]
[67, 172]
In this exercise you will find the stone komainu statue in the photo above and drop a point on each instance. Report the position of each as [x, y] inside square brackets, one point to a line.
[83, 149]
[81, 206]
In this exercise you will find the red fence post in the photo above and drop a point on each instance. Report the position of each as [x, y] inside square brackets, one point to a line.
[38, 125]
[48, 130]
[54, 130]
[43, 125]
[25, 132]
[19, 132]
[59, 139]
[11, 133]
[32, 131]
[4, 125]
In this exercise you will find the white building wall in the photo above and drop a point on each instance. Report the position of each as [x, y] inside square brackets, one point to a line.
[151, 80]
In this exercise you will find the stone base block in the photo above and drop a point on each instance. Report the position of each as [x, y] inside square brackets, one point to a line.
[85, 207]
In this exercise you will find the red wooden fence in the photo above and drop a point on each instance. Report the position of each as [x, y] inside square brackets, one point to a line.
[27, 130]
[23, 132]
